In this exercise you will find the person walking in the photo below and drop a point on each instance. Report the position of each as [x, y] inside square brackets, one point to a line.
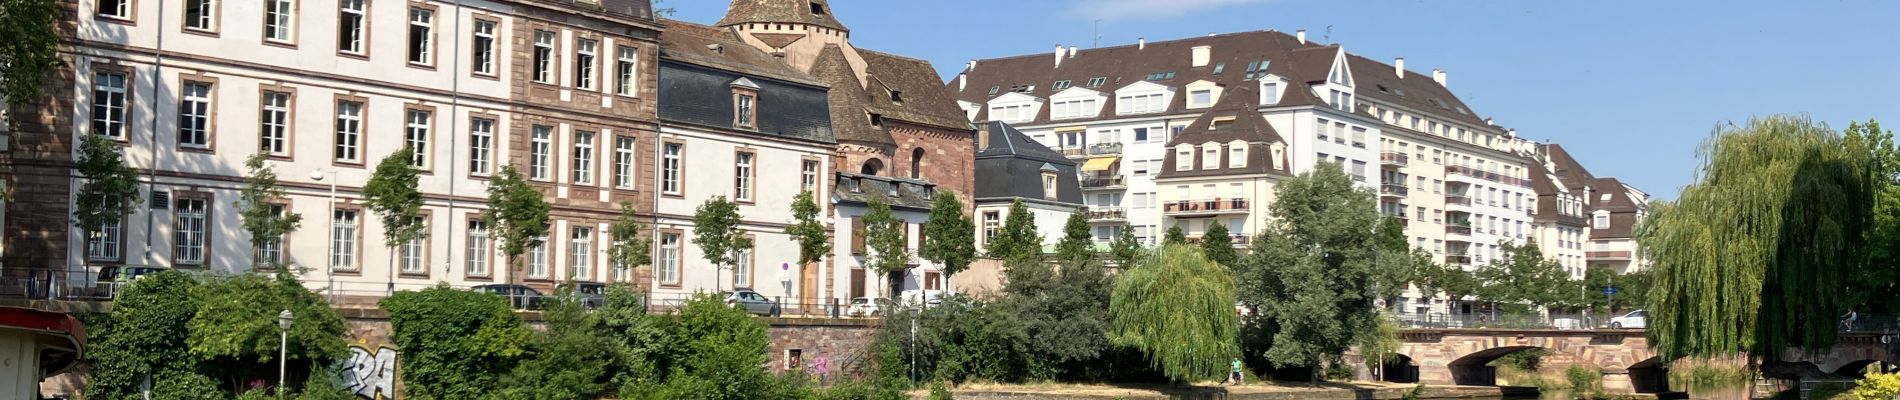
[1233, 374]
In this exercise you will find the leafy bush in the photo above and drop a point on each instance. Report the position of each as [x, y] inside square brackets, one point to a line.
[1584, 380]
[1524, 360]
[1876, 386]
[565, 360]
[939, 392]
[456, 344]
[235, 334]
[146, 336]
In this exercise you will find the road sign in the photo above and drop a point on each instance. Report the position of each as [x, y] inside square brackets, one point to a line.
[1609, 290]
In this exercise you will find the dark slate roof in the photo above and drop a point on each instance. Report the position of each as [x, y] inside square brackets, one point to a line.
[850, 121]
[861, 189]
[780, 11]
[1381, 82]
[1006, 141]
[1248, 125]
[697, 82]
[1126, 65]
[692, 43]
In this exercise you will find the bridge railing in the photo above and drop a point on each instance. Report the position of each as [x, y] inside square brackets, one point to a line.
[1477, 321]
[1870, 323]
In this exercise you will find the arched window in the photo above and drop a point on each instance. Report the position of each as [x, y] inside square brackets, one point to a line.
[917, 163]
[872, 167]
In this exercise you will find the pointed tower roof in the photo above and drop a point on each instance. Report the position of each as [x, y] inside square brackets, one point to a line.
[809, 12]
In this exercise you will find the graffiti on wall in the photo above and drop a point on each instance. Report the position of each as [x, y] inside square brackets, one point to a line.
[371, 373]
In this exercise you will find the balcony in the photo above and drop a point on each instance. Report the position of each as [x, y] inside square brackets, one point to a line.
[1456, 200]
[1457, 259]
[1107, 214]
[1458, 230]
[1105, 149]
[1607, 255]
[1394, 190]
[1073, 151]
[1215, 206]
[1395, 159]
[1103, 182]
[1489, 176]
[1239, 240]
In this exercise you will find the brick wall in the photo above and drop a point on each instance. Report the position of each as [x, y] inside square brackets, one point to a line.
[949, 159]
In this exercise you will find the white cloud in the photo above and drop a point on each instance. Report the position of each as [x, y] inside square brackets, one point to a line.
[1110, 10]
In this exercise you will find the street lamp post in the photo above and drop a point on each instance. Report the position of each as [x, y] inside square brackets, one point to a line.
[284, 319]
[329, 270]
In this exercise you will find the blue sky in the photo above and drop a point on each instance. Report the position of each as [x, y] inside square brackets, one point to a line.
[1630, 87]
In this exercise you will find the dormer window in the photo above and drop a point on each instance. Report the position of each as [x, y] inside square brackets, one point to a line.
[1161, 76]
[1049, 185]
[1184, 158]
[817, 8]
[1220, 123]
[1098, 81]
[1142, 104]
[877, 120]
[1237, 155]
[1342, 101]
[1060, 85]
[745, 103]
[897, 97]
[1210, 156]
[1201, 98]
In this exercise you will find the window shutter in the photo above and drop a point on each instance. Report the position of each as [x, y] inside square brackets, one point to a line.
[160, 200]
[857, 236]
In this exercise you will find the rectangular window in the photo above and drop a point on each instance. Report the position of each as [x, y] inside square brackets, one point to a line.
[623, 162]
[188, 231]
[414, 251]
[1323, 125]
[416, 136]
[1141, 135]
[120, 9]
[194, 115]
[1359, 137]
[538, 258]
[745, 110]
[103, 244]
[108, 104]
[343, 240]
[421, 38]
[670, 168]
[1142, 104]
[484, 54]
[669, 258]
[481, 144]
[1095, 82]
[581, 255]
[1359, 171]
[1201, 98]
[544, 57]
[627, 68]
[584, 55]
[742, 269]
[1602, 222]
[201, 15]
[991, 223]
[349, 131]
[278, 17]
[274, 121]
[540, 148]
[742, 176]
[583, 158]
[809, 179]
[478, 251]
[349, 26]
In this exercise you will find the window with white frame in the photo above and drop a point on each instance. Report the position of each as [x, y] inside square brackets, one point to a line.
[586, 52]
[102, 244]
[1141, 104]
[1184, 159]
[343, 230]
[484, 48]
[1602, 221]
[1013, 113]
[1270, 93]
[1339, 132]
[279, 15]
[350, 26]
[194, 115]
[1342, 101]
[413, 251]
[745, 102]
[580, 254]
[1082, 108]
[1359, 171]
[669, 258]
[623, 162]
[108, 103]
[349, 131]
[188, 231]
[274, 121]
[118, 9]
[543, 57]
[481, 145]
[670, 168]
[1201, 98]
[421, 36]
[742, 176]
[583, 158]
[1049, 185]
[201, 15]
[540, 149]
[627, 68]
[538, 258]
[992, 222]
[1359, 137]
[1210, 156]
[809, 176]
[1237, 156]
[742, 268]
[416, 136]
[478, 248]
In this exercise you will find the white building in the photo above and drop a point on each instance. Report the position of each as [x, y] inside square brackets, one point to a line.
[1015, 168]
[910, 202]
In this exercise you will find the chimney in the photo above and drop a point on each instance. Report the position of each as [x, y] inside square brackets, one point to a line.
[982, 136]
[1059, 51]
[1438, 75]
[1399, 67]
[971, 67]
[1141, 43]
[1202, 54]
[963, 81]
[1302, 35]
[1072, 51]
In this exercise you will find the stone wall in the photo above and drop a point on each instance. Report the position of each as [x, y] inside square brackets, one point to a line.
[847, 344]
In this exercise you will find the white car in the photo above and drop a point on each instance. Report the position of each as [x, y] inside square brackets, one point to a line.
[862, 307]
[914, 298]
[1638, 319]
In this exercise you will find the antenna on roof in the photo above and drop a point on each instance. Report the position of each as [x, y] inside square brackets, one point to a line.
[1098, 35]
[1329, 35]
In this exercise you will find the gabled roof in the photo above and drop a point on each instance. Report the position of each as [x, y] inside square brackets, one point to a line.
[1006, 141]
[1237, 105]
[1571, 172]
[1380, 81]
[925, 100]
[849, 121]
[781, 11]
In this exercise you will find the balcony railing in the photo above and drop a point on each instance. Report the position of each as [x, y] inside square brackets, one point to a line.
[1607, 255]
[1104, 149]
[1395, 190]
[1457, 259]
[1096, 182]
[1457, 200]
[1489, 176]
[1395, 158]
[1073, 151]
[1458, 230]
[1205, 206]
[1239, 240]
[1108, 214]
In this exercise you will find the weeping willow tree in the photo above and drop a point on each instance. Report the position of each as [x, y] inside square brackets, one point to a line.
[1177, 307]
[1754, 254]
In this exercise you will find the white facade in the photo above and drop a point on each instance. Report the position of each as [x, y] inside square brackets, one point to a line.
[850, 279]
[778, 171]
[1050, 219]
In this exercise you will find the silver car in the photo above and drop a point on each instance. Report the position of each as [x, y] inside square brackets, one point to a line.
[753, 303]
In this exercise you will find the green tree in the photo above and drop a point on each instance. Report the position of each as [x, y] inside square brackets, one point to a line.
[110, 191]
[1754, 255]
[266, 220]
[1632, 290]
[1218, 245]
[1126, 249]
[814, 243]
[1399, 263]
[1451, 280]
[949, 236]
[1018, 239]
[456, 344]
[1381, 345]
[1065, 310]
[146, 339]
[721, 349]
[630, 250]
[887, 241]
[1174, 236]
[1314, 272]
[1878, 283]
[564, 361]
[644, 344]
[1078, 244]
[716, 232]
[31, 51]
[517, 216]
[1521, 277]
[234, 331]
[1177, 307]
[393, 194]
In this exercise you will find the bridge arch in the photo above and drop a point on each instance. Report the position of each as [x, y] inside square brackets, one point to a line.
[1400, 369]
[1649, 376]
[1474, 369]
[1858, 368]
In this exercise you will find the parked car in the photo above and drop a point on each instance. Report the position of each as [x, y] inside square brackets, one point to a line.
[927, 298]
[593, 295]
[1638, 319]
[114, 278]
[863, 307]
[519, 296]
[752, 302]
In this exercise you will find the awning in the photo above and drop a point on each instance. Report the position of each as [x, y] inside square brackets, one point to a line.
[1100, 163]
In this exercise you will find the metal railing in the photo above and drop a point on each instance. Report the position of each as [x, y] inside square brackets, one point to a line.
[76, 283]
[1102, 181]
[1395, 158]
[1457, 200]
[1200, 206]
[1607, 255]
[1103, 149]
[1489, 176]
[1458, 230]
[1477, 321]
[1390, 189]
[1239, 240]
[1107, 213]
